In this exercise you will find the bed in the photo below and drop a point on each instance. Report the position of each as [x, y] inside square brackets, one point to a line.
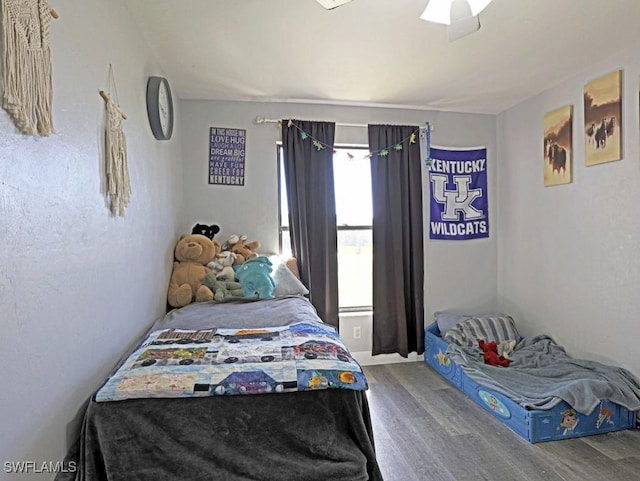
[239, 390]
[543, 394]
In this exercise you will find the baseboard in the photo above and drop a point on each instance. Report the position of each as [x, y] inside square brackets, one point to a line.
[365, 358]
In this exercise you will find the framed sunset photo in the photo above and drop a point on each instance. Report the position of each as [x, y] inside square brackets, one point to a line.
[558, 146]
[603, 119]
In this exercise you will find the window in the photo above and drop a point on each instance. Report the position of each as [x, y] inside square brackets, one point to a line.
[354, 214]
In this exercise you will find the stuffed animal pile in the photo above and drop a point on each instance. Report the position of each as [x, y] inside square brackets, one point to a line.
[205, 270]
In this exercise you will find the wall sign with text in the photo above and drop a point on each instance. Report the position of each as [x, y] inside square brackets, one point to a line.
[226, 156]
[459, 202]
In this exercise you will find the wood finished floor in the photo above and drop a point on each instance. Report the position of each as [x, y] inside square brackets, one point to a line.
[425, 429]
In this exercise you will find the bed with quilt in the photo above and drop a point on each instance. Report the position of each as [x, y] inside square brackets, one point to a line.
[530, 384]
[239, 390]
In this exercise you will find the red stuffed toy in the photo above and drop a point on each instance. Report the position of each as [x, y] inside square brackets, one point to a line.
[490, 354]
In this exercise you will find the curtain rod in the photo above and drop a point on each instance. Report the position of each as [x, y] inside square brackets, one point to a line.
[263, 120]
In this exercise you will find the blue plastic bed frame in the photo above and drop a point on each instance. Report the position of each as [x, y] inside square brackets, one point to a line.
[561, 422]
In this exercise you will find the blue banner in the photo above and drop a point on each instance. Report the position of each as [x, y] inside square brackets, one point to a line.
[459, 202]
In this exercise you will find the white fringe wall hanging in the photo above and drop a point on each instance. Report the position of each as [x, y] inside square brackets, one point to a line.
[117, 169]
[26, 65]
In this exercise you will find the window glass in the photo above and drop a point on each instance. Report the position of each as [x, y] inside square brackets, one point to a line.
[352, 184]
[282, 192]
[355, 269]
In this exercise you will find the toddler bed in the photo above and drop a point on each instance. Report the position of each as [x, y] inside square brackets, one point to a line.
[543, 394]
[238, 390]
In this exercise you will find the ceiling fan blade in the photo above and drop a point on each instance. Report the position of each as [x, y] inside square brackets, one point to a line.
[463, 21]
[331, 4]
[462, 28]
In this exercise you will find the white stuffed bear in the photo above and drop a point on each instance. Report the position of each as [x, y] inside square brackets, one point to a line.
[222, 264]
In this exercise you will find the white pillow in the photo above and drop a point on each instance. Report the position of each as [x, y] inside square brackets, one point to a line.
[287, 284]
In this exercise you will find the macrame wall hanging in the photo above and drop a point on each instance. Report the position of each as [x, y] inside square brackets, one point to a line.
[117, 169]
[26, 65]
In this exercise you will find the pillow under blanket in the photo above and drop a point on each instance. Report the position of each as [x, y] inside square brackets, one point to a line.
[448, 319]
[489, 328]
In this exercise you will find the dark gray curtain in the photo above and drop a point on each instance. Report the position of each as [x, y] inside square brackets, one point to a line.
[312, 211]
[398, 260]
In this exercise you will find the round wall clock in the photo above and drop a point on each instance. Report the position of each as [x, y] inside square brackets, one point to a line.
[160, 107]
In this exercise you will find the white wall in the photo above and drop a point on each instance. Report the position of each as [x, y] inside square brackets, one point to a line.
[569, 255]
[458, 274]
[78, 286]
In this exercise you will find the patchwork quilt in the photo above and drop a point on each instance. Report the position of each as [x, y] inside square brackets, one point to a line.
[175, 363]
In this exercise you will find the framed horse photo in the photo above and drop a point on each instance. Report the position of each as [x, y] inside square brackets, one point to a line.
[558, 146]
[603, 119]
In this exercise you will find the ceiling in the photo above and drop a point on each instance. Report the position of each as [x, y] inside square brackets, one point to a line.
[378, 52]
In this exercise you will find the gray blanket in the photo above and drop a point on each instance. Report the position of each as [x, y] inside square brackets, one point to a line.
[313, 435]
[541, 374]
[245, 313]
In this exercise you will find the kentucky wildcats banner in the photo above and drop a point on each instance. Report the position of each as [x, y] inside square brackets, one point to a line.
[459, 203]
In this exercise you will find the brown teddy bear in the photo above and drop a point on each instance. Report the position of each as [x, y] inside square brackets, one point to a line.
[243, 250]
[192, 254]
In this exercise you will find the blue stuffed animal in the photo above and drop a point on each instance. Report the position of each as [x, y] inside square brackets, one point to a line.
[255, 279]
